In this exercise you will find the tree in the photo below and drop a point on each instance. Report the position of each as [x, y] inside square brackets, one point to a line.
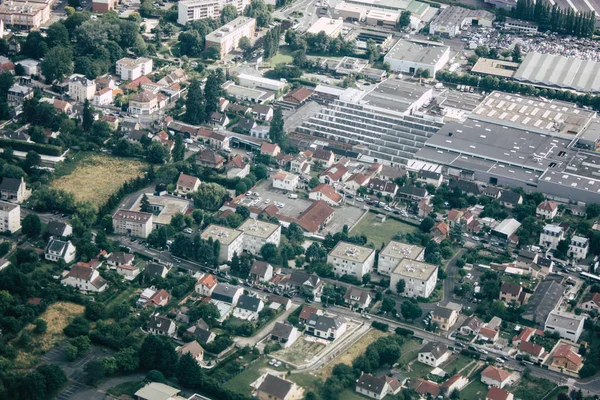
[41, 326]
[94, 372]
[158, 353]
[388, 304]
[210, 196]
[211, 95]
[157, 153]
[88, 117]
[195, 109]
[516, 54]
[145, 204]
[276, 130]
[592, 210]
[32, 159]
[31, 225]
[95, 311]
[410, 310]
[54, 378]
[401, 286]
[228, 14]
[127, 360]
[404, 20]
[188, 371]
[245, 44]
[179, 148]
[427, 224]
[57, 63]
[269, 252]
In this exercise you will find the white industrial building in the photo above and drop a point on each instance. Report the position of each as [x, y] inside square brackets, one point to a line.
[420, 278]
[452, 19]
[351, 259]
[407, 56]
[395, 252]
[252, 81]
[331, 27]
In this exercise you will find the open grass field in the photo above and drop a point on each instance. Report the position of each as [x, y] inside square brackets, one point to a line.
[58, 315]
[96, 177]
[352, 352]
[378, 232]
[409, 351]
[301, 352]
[283, 56]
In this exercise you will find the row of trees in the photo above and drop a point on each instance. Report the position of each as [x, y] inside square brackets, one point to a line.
[199, 105]
[320, 43]
[556, 19]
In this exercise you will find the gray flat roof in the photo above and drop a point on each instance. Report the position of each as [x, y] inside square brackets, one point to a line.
[420, 51]
[415, 269]
[223, 234]
[560, 71]
[582, 172]
[453, 16]
[351, 252]
[262, 229]
[401, 250]
[395, 94]
[459, 100]
[537, 114]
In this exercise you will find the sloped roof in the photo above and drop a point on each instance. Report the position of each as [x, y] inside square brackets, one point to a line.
[497, 394]
[511, 288]
[249, 303]
[276, 387]
[436, 349]
[315, 215]
[564, 350]
[282, 330]
[79, 271]
[371, 383]
[328, 191]
[547, 206]
[531, 348]
[496, 374]
[208, 280]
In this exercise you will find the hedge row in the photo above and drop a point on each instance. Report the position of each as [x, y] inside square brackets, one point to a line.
[40, 148]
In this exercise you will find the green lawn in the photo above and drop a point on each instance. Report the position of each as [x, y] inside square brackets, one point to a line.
[532, 388]
[409, 351]
[476, 390]
[350, 394]
[126, 388]
[458, 363]
[378, 232]
[418, 370]
[241, 383]
[283, 56]
[309, 382]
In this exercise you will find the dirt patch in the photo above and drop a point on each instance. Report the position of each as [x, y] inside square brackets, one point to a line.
[58, 315]
[301, 352]
[352, 352]
[97, 177]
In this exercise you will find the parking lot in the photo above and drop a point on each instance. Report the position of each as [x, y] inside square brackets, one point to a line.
[269, 195]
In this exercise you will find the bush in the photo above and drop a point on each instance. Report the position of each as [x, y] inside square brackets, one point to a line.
[46, 149]
[380, 325]
[272, 347]
[404, 332]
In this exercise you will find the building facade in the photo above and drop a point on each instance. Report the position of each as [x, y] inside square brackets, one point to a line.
[420, 278]
[81, 88]
[227, 37]
[130, 69]
[231, 240]
[258, 233]
[10, 217]
[132, 223]
[351, 259]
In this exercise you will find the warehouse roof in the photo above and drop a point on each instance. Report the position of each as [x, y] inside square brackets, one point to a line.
[420, 51]
[560, 71]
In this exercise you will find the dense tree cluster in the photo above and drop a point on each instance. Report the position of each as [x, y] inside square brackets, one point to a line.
[320, 43]
[550, 16]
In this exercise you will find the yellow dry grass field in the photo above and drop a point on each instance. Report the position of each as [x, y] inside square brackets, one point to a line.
[58, 315]
[97, 177]
[352, 352]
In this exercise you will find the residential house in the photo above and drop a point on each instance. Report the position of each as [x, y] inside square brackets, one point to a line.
[468, 187]
[591, 302]
[118, 258]
[279, 301]
[248, 308]
[270, 149]
[10, 217]
[187, 183]
[60, 250]
[128, 272]
[58, 229]
[219, 119]
[444, 317]
[497, 377]
[237, 168]
[326, 327]
[411, 193]
[355, 182]
[132, 223]
[489, 334]
[159, 299]
[440, 231]
[386, 188]
[246, 124]
[201, 333]
[337, 173]
[426, 388]
[18, 94]
[492, 192]
[316, 216]
[306, 312]
[138, 136]
[275, 388]
[60, 106]
[227, 293]
[326, 193]
[206, 284]
[284, 334]
[106, 81]
[454, 384]
[510, 199]
[430, 178]
[471, 326]
[533, 350]
[81, 88]
[159, 325]
[14, 190]
[261, 271]
[565, 358]
[510, 292]
[155, 270]
[377, 388]
[300, 164]
[425, 208]
[357, 299]
[145, 103]
[302, 281]
[236, 108]
[325, 157]
[155, 390]
[454, 218]
[260, 132]
[434, 354]
[209, 158]
[568, 325]
[550, 236]
[579, 247]
[262, 112]
[285, 181]
[546, 209]
[194, 349]
[85, 279]
[498, 394]
[103, 97]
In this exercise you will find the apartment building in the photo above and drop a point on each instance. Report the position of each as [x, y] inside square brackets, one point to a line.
[351, 259]
[394, 252]
[191, 10]
[419, 277]
[81, 88]
[232, 241]
[132, 223]
[145, 103]
[579, 247]
[17, 94]
[258, 233]
[227, 37]
[24, 15]
[568, 325]
[10, 217]
[130, 69]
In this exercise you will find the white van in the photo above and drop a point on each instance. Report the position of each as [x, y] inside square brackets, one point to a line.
[292, 196]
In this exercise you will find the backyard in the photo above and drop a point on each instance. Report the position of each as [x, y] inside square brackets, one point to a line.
[241, 382]
[85, 176]
[301, 352]
[533, 388]
[57, 316]
[352, 352]
[377, 232]
[475, 390]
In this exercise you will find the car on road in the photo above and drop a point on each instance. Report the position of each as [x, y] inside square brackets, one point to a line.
[188, 231]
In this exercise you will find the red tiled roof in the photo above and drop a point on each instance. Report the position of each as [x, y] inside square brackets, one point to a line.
[359, 178]
[328, 191]
[187, 181]
[497, 394]
[547, 206]
[453, 380]
[268, 148]
[487, 332]
[453, 215]
[442, 227]
[135, 84]
[496, 374]
[422, 386]
[208, 280]
[307, 311]
[564, 350]
[335, 172]
[531, 348]
[312, 218]
[300, 94]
